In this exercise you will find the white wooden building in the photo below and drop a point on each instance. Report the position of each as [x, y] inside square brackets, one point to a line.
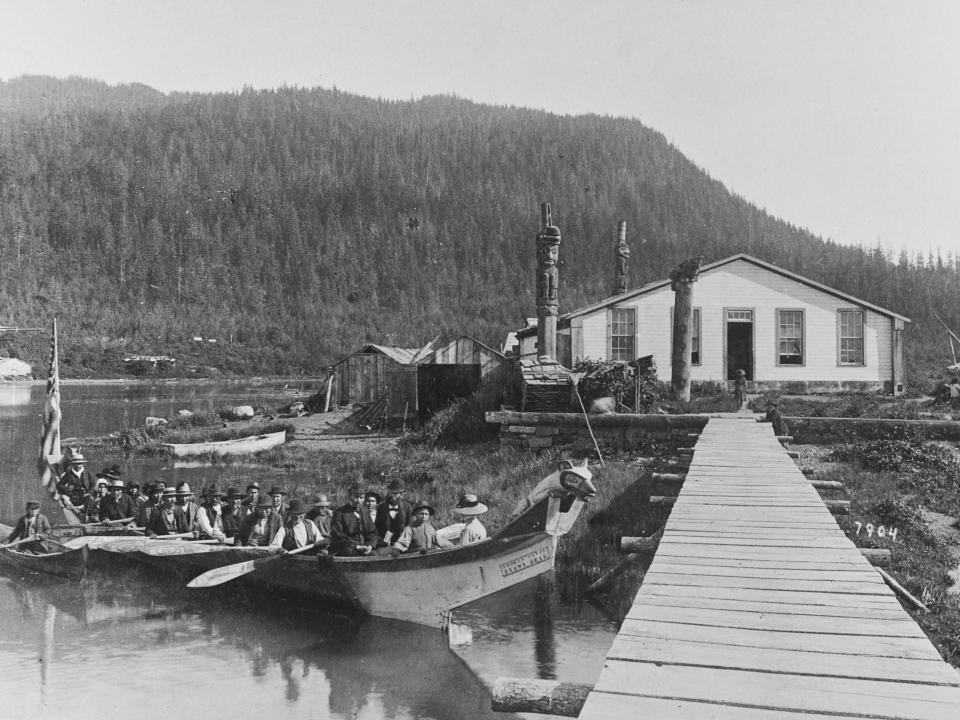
[781, 328]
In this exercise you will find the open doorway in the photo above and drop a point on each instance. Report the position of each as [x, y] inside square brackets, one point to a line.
[739, 343]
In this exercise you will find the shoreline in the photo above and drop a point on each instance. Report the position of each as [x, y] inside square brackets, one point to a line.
[253, 379]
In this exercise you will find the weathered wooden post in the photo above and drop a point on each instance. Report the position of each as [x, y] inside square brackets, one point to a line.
[623, 255]
[681, 282]
[548, 250]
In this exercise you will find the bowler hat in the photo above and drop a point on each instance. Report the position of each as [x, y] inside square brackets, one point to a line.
[253, 485]
[132, 485]
[396, 486]
[277, 491]
[373, 494]
[321, 501]
[110, 473]
[469, 504]
[420, 505]
[234, 493]
[297, 507]
[265, 502]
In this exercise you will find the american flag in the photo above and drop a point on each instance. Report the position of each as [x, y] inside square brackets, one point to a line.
[50, 437]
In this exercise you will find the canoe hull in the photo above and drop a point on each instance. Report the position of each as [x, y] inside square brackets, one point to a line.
[48, 558]
[239, 446]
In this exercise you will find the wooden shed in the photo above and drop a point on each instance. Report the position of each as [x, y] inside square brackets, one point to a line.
[365, 376]
[466, 350]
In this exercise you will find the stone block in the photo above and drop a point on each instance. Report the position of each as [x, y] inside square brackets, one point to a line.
[522, 429]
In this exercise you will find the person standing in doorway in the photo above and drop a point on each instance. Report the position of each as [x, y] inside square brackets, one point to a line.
[740, 389]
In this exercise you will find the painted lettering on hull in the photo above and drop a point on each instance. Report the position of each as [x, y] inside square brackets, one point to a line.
[524, 561]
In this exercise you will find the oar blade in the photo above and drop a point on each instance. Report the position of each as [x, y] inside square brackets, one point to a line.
[220, 575]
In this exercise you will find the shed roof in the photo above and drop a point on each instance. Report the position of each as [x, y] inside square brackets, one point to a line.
[427, 358]
[616, 299]
[11, 367]
[400, 355]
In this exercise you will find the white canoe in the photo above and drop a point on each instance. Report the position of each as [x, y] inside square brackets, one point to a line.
[238, 446]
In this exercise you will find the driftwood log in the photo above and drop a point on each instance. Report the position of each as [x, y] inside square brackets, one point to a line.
[551, 697]
[828, 485]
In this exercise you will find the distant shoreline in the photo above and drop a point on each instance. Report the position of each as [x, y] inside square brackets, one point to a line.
[257, 379]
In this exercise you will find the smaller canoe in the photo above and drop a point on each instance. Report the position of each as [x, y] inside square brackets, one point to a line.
[48, 557]
[238, 446]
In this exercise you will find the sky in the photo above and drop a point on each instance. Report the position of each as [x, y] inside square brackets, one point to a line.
[838, 116]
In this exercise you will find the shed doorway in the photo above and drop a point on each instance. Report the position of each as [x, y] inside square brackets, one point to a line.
[739, 337]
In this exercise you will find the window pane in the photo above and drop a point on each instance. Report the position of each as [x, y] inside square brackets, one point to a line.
[851, 337]
[790, 334]
[622, 331]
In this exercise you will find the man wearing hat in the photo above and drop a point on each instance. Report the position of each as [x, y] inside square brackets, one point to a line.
[234, 512]
[133, 490]
[394, 513]
[169, 518]
[75, 482]
[210, 515]
[147, 509]
[260, 527]
[297, 531]
[351, 531]
[253, 495]
[321, 514]
[420, 535]
[186, 503]
[470, 507]
[30, 524]
[117, 505]
[277, 495]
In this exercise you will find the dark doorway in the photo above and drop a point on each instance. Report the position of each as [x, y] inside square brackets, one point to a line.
[440, 385]
[739, 349]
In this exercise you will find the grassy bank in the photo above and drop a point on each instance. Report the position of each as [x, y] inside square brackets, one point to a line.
[912, 489]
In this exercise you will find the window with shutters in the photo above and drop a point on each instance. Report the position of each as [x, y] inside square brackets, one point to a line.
[623, 334]
[850, 333]
[790, 337]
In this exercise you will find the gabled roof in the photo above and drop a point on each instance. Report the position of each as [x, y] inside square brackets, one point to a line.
[400, 355]
[427, 358]
[617, 299]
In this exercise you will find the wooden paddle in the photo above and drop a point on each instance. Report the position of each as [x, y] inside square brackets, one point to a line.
[21, 540]
[220, 575]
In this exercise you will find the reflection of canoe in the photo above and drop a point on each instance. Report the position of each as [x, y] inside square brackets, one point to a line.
[417, 588]
[238, 446]
[46, 556]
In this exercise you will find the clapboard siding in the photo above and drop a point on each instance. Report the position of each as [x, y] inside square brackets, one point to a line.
[744, 285]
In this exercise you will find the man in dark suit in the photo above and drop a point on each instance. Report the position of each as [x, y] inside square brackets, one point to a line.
[169, 518]
[394, 513]
[30, 524]
[117, 505]
[352, 532]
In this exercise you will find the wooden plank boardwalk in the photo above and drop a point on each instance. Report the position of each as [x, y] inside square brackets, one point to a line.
[756, 605]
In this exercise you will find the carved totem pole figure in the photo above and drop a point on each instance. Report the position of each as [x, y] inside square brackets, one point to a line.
[623, 255]
[548, 251]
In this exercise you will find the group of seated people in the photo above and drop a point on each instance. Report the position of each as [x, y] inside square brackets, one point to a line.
[367, 524]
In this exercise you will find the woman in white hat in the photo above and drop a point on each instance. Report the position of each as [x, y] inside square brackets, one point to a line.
[470, 507]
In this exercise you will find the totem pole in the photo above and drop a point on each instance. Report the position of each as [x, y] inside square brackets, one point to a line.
[681, 282]
[548, 250]
[623, 255]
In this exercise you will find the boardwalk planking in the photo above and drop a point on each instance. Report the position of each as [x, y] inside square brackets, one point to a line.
[757, 605]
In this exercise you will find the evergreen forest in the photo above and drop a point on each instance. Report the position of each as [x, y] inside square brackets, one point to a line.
[294, 225]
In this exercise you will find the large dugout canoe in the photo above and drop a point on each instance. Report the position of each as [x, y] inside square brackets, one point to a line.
[48, 557]
[421, 588]
[238, 446]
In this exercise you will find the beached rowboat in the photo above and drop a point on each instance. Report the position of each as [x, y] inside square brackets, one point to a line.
[46, 556]
[237, 446]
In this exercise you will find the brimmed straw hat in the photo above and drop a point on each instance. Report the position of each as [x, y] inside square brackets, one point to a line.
[183, 489]
[116, 484]
[321, 501]
[469, 504]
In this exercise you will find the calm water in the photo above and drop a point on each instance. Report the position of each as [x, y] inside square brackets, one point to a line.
[128, 643]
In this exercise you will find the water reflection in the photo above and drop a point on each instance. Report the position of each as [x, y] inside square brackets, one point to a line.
[312, 664]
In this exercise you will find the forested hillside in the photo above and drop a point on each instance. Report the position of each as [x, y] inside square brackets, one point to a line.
[294, 224]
